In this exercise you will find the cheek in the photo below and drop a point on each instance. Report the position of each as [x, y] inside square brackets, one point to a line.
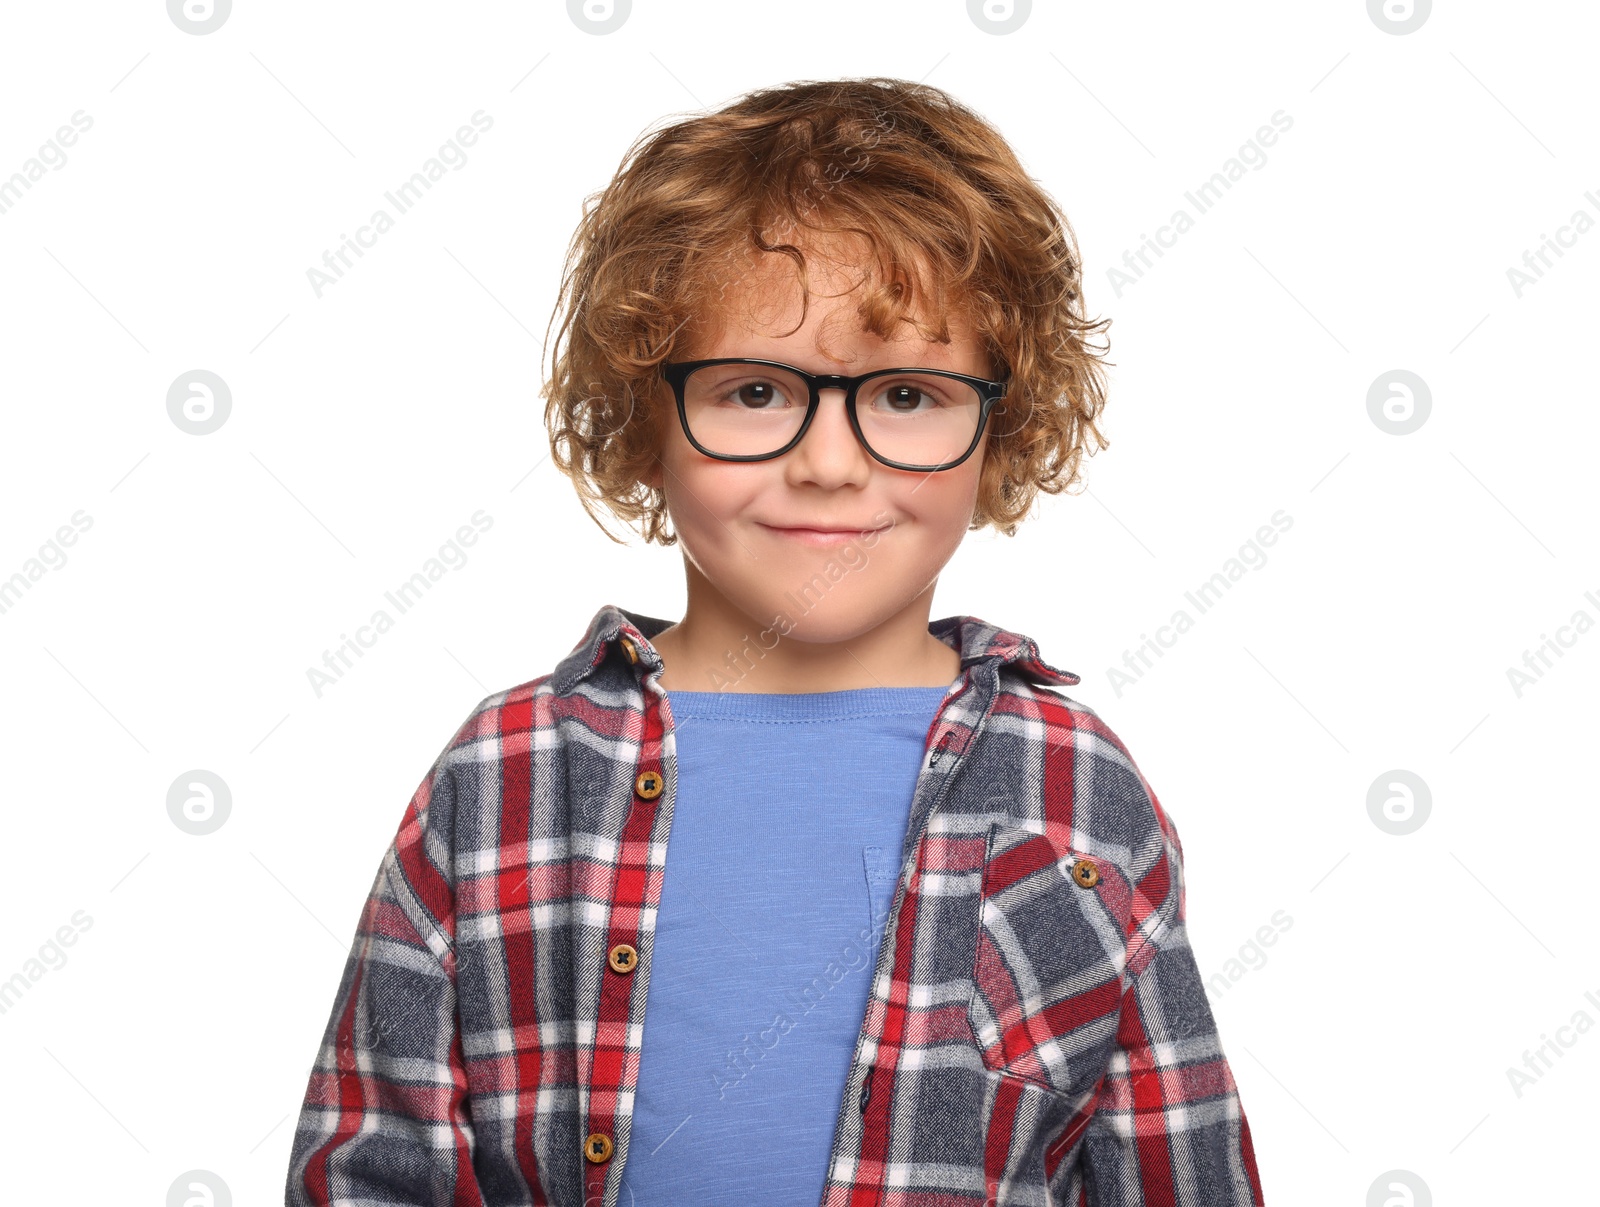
[971, 483]
[947, 498]
[934, 519]
[706, 497]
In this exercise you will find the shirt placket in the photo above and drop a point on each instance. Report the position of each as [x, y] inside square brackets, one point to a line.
[653, 789]
[871, 1093]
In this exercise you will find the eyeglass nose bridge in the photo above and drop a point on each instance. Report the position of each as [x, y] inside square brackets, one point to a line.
[832, 381]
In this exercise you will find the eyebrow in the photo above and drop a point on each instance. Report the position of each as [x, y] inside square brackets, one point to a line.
[844, 370]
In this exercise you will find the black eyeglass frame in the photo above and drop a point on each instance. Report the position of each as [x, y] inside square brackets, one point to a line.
[676, 373]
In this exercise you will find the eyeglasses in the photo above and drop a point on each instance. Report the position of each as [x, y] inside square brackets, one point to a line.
[735, 408]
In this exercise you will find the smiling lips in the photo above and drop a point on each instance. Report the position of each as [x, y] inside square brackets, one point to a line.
[820, 536]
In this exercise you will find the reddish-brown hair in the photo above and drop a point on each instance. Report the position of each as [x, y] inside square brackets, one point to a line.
[946, 219]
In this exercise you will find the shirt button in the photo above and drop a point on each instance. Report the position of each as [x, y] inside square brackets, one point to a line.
[649, 784]
[624, 957]
[1086, 873]
[866, 1090]
[629, 649]
[597, 1147]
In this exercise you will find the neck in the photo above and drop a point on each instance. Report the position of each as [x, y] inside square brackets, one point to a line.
[836, 644]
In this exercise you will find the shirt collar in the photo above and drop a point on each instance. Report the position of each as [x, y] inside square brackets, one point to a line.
[614, 631]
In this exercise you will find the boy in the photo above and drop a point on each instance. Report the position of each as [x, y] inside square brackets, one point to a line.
[719, 826]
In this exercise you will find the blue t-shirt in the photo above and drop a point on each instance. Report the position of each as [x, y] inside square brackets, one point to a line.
[790, 813]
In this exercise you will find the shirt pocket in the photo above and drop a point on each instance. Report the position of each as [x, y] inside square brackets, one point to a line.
[882, 874]
[1047, 969]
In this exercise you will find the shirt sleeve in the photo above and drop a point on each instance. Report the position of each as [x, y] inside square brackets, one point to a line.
[1167, 1128]
[385, 1117]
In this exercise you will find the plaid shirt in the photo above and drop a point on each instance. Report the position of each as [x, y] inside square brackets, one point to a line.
[1037, 1031]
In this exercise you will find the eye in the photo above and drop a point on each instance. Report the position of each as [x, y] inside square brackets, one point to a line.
[754, 394]
[758, 395]
[909, 395]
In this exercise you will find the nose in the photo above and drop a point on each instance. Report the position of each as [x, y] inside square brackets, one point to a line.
[830, 448]
[831, 415]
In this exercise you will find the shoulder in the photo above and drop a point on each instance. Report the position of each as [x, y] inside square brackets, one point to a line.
[495, 744]
[499, 724]
[1093, 792]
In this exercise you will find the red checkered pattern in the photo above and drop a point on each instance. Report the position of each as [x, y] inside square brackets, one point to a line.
[1037, 1031]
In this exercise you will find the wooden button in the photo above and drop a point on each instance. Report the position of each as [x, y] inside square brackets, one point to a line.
[649, 784]
[629, 649]
[624, 957]
[597, 1147]
[1085, 873]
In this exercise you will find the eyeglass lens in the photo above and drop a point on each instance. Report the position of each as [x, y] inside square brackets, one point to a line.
[753, 410]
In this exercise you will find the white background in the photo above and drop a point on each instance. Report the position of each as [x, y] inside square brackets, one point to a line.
[368, 424]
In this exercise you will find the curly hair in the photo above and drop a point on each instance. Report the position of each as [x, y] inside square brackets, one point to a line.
[946, 215]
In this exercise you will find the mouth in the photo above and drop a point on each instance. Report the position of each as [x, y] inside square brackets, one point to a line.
[822, 536]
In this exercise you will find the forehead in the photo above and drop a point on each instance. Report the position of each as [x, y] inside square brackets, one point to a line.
[847, 305]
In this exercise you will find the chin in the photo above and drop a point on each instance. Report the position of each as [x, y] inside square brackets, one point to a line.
[832, 619]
